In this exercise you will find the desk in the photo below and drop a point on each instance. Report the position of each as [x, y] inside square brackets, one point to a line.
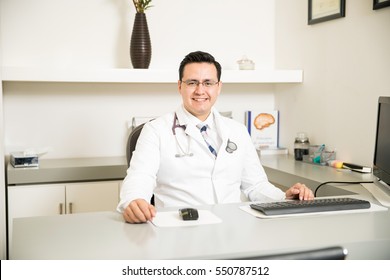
[283, 170]
[104, 235]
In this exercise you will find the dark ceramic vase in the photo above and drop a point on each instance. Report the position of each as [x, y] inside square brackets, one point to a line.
[140, 45]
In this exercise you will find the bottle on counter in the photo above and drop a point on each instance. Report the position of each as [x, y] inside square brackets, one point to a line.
[301, 146]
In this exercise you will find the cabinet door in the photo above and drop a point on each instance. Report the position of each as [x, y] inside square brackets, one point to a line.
[92, 197]
[36, 200]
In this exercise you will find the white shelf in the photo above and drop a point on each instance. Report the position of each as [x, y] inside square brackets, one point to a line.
[17, 74]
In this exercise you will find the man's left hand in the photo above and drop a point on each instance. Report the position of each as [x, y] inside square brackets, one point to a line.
[299, 191]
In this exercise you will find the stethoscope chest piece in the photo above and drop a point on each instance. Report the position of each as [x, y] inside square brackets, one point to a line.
[231, 146]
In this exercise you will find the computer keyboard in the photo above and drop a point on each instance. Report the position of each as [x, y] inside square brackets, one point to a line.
[310, 206]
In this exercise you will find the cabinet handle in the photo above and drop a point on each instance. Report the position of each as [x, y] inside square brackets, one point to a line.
[60, 208]
[70, 207]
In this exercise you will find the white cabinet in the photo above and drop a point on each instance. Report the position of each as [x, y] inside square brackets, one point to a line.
[60, 199]
[35, 200]
[92, 197]
[55, 199]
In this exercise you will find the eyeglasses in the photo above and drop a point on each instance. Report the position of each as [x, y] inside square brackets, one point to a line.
[195, 83]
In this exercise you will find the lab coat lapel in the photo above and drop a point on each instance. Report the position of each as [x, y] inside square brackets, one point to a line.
[223, 131]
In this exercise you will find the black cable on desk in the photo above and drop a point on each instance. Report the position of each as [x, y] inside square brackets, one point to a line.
[340, 182]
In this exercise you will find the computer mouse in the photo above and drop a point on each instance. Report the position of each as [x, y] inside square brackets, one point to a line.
[189, 214]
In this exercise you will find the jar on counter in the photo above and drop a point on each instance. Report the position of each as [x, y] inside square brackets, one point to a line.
[301, 146]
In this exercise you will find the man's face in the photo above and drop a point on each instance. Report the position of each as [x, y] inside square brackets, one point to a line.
[198, 99]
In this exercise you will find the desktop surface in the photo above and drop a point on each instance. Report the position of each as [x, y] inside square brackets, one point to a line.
[105, 235]
[285, 171]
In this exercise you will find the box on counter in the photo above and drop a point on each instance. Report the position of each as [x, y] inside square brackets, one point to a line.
[19, 159]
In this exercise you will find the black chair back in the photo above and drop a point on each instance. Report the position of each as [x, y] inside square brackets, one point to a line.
[132, 142]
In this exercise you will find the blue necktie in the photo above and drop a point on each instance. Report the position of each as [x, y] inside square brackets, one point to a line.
[208, 140]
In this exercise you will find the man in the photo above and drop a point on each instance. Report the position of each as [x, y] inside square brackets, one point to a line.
[195, 156]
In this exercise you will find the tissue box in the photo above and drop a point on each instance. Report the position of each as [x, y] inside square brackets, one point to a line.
[23, 160]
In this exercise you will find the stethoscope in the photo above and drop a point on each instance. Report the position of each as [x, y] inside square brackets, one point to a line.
[230, 146]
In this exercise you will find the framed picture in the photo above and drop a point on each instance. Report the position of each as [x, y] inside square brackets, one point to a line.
[379, 4]
[324, 10]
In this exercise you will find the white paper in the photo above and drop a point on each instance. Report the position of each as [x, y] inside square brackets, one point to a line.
[173, 219]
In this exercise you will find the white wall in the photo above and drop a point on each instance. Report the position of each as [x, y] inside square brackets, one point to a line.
[2, 175]
[346, 65]
[86, 120]
[96, 33]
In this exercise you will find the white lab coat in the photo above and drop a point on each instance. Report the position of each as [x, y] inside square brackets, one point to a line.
[198, 179]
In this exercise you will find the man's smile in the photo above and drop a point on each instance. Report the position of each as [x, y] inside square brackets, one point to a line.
[200, 99]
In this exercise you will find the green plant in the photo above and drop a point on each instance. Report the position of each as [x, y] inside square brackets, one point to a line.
[142, 5]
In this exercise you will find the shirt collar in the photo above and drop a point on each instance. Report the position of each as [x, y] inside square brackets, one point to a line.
[210, 122]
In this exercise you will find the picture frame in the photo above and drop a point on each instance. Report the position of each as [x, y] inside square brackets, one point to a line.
[379, 4]
[324, 10]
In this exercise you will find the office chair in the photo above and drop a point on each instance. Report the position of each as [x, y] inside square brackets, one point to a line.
[130, 147]
[328, 253]
[132, 142]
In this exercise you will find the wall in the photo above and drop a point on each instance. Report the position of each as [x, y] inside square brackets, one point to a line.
[84, 120]
[346, 65]
[96, 33]
[90, 120]
[2, 179]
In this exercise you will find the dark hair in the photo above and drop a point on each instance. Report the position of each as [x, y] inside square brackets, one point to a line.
[199, 57]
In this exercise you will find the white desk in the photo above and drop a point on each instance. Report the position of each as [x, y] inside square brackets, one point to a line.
[106, 236]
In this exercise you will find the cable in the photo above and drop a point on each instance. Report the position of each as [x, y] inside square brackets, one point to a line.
[339, 182]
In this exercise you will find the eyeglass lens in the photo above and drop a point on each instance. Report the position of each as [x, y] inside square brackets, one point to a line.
[195, 83]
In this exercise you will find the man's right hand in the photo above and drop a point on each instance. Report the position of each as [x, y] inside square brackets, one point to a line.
[139, 211]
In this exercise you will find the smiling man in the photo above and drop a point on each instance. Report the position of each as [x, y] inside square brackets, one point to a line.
[199, 85]
[195, 156]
